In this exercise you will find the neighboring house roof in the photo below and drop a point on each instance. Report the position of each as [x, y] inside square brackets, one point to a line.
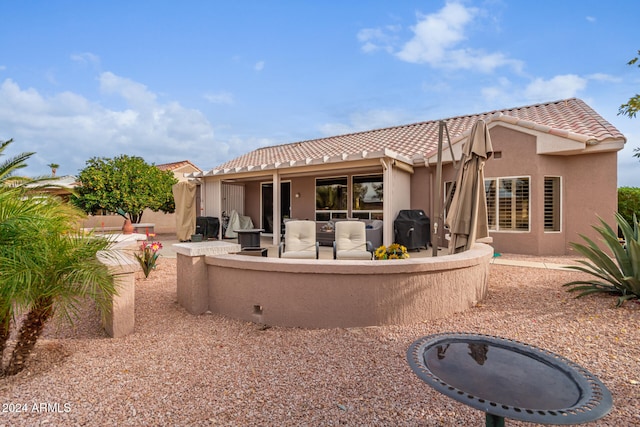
[66, 181]
[570, 118]
[177, 165]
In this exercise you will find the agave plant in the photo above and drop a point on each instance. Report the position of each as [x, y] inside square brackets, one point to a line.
[620, 277]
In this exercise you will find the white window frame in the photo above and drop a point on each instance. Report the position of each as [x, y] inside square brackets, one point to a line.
[497, 228]
[359, 213]
[559, 207]
[333, 214]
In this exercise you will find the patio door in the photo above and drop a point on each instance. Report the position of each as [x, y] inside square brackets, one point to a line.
[267, 204]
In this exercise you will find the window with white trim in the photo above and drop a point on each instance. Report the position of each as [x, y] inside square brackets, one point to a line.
[552, 203]
[508, 203]
[367, 196]
[331, 198]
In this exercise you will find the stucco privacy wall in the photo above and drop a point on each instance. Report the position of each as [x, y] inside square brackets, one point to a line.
[119, 320]
[330, 293]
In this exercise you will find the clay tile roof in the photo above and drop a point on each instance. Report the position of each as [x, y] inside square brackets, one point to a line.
[569, 118]
[176, 165]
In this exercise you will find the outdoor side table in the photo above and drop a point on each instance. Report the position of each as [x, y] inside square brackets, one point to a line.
[509, 379]
[249, 237]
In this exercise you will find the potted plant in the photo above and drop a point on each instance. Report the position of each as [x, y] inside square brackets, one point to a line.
[393, 251]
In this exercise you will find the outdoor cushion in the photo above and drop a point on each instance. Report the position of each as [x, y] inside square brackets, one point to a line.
[351, 241]
[299, 240]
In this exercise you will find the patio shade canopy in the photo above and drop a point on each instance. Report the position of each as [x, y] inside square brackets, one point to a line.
[184, 195]
[467, 215]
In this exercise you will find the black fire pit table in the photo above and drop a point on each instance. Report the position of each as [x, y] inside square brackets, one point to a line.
[509, 379]
[249, 237]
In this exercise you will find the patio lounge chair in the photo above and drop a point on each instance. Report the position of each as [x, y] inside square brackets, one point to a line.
[299, 241]
[351, 241]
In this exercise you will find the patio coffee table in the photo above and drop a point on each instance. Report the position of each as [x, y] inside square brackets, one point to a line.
[507, 378]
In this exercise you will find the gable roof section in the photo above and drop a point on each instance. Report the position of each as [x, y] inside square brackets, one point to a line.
[177, 165]
[569, 118]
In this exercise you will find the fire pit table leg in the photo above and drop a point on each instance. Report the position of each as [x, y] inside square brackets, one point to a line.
[494, 420]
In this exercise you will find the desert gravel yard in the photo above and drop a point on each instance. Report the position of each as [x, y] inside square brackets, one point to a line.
[184, 370]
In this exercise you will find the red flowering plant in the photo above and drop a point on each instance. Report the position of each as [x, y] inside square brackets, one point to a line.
[147, 256]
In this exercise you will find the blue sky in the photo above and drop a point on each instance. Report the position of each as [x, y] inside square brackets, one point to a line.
[210, 80]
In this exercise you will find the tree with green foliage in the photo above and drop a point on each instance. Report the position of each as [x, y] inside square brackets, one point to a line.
[631, 107]
[629, 202]
[125, 184]
[46, 267]
[618, 276]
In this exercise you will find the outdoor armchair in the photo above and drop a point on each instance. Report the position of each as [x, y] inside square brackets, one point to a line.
[351, 241]
[299, 240]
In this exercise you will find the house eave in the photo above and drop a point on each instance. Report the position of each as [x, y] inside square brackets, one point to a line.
[549, 141]
[326, 162]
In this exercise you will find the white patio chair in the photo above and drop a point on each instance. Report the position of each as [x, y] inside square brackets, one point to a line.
[351, 241]
[299, 240]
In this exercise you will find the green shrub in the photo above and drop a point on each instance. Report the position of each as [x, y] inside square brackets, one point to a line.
[629, 202]
[621, 277]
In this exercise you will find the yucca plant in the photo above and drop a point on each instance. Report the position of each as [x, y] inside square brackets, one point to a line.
[620, 277]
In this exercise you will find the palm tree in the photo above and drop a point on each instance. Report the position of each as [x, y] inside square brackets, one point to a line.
[9, 167]
[54, 167]
[12, 164]
[46, 267]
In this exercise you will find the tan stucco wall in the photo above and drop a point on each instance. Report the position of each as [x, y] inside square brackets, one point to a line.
[329, 293]
[588, 189]
[303, 207]
[252, 193]
[420, 190]
[163, 223]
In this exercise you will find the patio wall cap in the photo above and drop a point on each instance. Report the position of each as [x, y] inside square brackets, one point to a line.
[478, 254]
[118, 261]
[206, 248]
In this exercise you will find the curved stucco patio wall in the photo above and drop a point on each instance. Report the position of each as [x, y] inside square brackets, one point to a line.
[331, 293]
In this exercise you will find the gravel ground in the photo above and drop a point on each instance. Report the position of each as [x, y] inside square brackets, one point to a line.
[179, 369]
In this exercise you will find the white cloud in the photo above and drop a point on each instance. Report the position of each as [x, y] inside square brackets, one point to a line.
[363, 121]
[604, 78]
[68, 129]
[628, 164]
[259, 66]
[505, 92]
[86, 58]
[225, 98]
[558, 87]
[435, 34]
[438, 40]
[591, 19]
[374, 39]
[135, 93]
[502, 93]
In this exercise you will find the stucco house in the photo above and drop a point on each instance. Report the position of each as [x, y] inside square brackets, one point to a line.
[553, 172]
